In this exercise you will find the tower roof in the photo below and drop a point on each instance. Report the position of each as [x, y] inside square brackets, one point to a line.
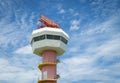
[49, 29]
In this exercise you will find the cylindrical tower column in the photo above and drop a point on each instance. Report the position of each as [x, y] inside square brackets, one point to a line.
[48, 66]
[49, 71]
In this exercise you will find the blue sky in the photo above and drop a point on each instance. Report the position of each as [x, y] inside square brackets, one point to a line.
[93, 51]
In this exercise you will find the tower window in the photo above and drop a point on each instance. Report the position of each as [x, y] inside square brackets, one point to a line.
[39, 38]
[50, 37]
[42, 37]
[54, 37]
[64, 40]
[36, 38]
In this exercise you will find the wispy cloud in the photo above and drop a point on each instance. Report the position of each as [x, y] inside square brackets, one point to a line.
[24, 50]
[84, 65]
[16, 31]
[95, 60]
[10, 73]
[104, 9]
[92, 55]
[61, 11]
[75, 25]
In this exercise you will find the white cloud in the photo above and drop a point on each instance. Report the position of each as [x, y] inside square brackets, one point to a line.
[71, 11]
[61, 11]
[24, 50]
[73, 49]
[85, 49]
[14, 74]
[75, 25]
[13, 32]
[99, 40]
[75, 68]
[104, 9]
[76, 14]
[15, 26]
[82, 66]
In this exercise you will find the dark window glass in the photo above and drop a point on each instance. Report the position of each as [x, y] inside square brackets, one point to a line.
[39, 38]
[42, 37]
[36, 39]
[63, 40]
[56, 37]
[49, 36]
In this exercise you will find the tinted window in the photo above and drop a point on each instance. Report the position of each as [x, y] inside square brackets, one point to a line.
[39, 38]
[42, 37]
[53, 37]
[56, 37]
[63, 40]
[36, 38]
[49, 36]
